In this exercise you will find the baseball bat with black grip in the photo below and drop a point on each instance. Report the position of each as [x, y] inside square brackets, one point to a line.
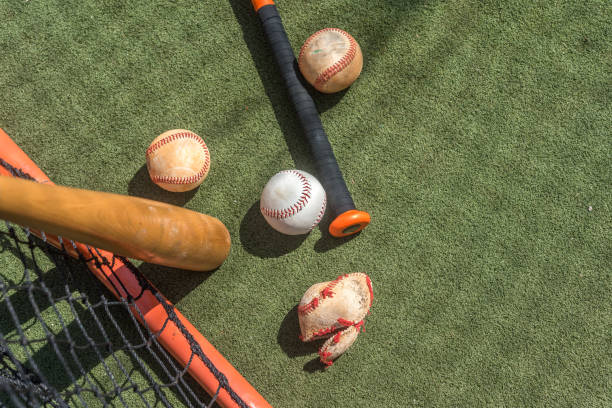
[347, 220]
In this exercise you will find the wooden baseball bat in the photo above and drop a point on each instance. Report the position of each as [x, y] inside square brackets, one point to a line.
[134, 227]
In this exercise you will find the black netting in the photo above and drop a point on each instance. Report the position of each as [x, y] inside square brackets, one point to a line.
[64, 342]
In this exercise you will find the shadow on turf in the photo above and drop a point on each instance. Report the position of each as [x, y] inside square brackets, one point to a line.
[260, 239]
[141, 186]
[175, 284]
[291, 345]
[327, 241]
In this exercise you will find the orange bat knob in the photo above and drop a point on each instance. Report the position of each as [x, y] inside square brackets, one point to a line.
[348, 223]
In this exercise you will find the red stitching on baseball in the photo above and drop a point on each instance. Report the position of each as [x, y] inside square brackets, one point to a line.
[308, 307]
[339, 65]
[324, 355]
[360, 325]
[171, 138]
[344, 324]
[369, 282]
[297, 206]
[325, 332]
[325, 293]
[321, 212]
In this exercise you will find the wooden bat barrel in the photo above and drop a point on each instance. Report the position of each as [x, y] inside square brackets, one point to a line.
[134, 227]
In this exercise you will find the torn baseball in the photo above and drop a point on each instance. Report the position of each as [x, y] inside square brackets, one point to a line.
[335, 310]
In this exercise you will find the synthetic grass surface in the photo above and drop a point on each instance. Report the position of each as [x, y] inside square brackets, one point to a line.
[478, 137]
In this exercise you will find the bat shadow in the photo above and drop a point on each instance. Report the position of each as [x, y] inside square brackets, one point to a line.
[327, 241]
[141, 186]
[260, 239]
[174, 283]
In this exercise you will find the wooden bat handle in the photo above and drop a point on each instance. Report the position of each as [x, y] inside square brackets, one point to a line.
[134, 227]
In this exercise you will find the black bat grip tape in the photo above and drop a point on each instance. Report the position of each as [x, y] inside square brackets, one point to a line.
[329, 173]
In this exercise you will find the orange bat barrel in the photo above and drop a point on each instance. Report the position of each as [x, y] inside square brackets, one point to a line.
[130, 226]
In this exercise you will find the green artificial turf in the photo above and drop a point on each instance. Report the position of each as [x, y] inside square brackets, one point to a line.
[477, 136]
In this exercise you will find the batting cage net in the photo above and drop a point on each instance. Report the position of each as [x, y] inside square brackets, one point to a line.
[65, 341]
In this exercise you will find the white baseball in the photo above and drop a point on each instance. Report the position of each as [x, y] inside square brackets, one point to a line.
[293, 202]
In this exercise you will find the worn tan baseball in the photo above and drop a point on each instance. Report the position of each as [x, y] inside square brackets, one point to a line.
[330, 60]
[178, 160]
[335, 310]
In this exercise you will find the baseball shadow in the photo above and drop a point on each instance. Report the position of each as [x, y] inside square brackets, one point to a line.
[260, 239]
[289, 341]
[288, 336]
[324, 101]
[141, 186]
